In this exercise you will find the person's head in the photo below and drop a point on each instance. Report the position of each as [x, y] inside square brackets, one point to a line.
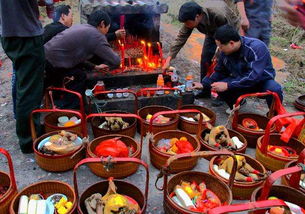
[100, 20]
[227, 39]
[190, 14]
[63, 14]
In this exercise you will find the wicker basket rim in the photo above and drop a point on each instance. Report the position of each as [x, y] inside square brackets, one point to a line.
[272, 155]
[169, 155]
[52, 126]
[204, 174]
[135, 154]
[115, 180]
[238, 183]
[42, 137]
[255, 192]
[245, 142]
[128, 127]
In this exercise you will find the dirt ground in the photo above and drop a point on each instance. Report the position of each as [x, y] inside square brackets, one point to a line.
[28, 172]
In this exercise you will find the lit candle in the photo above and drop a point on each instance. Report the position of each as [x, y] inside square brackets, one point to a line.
[160, 50]
[143, 43]
[123, 55]
[149, 51]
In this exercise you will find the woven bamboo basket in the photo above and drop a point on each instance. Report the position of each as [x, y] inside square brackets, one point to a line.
[171, 125]
[51, 119]
[270, 160]
[129, 131]
[262, 121]
[192, 127]
[9, 181]
[57, 163]
[158, 158]
[123, 169]
[123, 187]
[250, 206]
[221, 189]
[46, 189]
[284, 193]
[205, 145]
[287, 180]
[241, 190]
[300, 103]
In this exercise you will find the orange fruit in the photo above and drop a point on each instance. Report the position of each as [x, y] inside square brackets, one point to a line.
[69, 123]
[173, 141]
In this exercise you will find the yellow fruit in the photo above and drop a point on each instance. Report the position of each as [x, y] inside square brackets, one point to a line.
[148, 117]
[183, 139]
[173, 141]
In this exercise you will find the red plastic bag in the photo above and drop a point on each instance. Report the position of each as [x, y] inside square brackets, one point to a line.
[112, 147]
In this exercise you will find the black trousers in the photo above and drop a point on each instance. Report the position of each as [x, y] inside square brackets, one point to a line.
[27, 55]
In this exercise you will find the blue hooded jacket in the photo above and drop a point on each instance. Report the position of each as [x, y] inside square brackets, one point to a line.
[244, 68]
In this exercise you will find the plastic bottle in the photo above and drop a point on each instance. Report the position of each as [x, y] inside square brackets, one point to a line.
[189, 82]
[160, 84]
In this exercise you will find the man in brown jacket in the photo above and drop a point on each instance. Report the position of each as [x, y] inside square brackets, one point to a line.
[206, 19]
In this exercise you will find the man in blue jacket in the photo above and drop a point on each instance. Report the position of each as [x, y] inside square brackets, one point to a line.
[244, 66]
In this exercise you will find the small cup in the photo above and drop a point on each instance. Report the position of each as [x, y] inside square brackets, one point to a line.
[119, 95]
[125, 94]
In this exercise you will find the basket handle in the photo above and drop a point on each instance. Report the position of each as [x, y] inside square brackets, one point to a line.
[256, 205]
[274, 176]
[295, 177]
[276, 101]
[164, 89]
[178, 112]
[33, 130]
[119, 115]
[166, 169]
[111, 160]
[116, 92]
[266, 138]
[11, 167]
[79, 96]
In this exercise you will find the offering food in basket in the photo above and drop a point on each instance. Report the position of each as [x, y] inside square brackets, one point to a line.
[60, 144]
[245, 172]
[65, 121]
[196, 118]
[219, 137]
[35, 204]
[158, 120]
[111, 202]
[251, 124]
[283, 151]
[291, 208]
[114, 124]
[195, 197]
[3, 190]
[113, 147]
[175, 146]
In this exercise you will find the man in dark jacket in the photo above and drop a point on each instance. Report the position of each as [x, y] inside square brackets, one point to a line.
[244, 66]
[68, 50]
[22, 41]
[206, 20]
[63, 19]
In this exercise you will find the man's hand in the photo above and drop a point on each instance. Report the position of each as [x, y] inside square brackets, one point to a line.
[197, 85]
[245, 24]
[120, 34]
[167, 63]
[220, 86]
[101, 67]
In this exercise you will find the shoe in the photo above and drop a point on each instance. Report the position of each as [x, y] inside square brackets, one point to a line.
[217, 102]
[228, 111]
[203, 94]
